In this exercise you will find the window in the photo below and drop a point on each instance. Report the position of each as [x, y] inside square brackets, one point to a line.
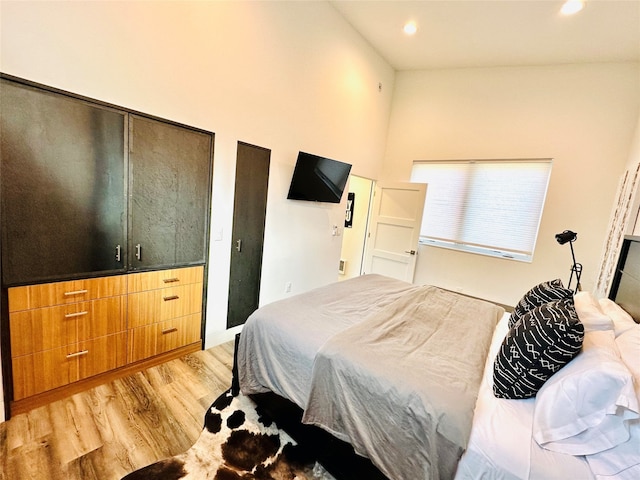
[491, 207]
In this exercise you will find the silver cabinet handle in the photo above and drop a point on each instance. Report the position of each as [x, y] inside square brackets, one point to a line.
[78, 354]
[117, 253]
[139, 251]
[75, 292]
[239, 245]
[412, 252]
[77, 314]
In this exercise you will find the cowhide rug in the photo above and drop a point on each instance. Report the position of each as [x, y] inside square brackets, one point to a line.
[238, 442]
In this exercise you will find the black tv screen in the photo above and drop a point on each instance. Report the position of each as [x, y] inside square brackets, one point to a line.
[318, 179]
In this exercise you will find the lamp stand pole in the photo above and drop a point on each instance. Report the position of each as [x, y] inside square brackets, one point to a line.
[575, 268]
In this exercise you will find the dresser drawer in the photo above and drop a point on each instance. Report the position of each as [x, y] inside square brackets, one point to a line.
[178, 332]
[42, 371]
[49, 369]
[150, 340]
[139, 282]
[61, 293]
[145, 308]
[103, 354]
[47, 328]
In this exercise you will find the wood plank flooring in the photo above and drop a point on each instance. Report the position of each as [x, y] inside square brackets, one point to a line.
[120, 426]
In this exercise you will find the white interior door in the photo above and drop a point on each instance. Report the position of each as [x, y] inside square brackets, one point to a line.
[394, 231]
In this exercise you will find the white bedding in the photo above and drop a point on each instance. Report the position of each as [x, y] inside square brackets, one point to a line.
[501, 446]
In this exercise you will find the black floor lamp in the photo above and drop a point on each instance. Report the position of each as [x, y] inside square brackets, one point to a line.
[562, 238]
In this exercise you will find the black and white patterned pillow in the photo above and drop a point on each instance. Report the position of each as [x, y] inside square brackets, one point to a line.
[540, 343]
[539, 295]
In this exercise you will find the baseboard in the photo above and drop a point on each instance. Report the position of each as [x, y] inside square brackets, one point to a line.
[224, 336]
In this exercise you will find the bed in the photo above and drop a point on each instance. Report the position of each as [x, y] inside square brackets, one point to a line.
[424, 382]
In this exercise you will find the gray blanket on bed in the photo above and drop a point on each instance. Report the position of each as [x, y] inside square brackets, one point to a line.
[280, 340]
[401, 386]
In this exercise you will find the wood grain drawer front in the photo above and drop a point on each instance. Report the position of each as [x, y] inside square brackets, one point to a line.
[178, 332]
[43, 371]
[61, 293]
[47, 328]
[139, 282]
[150, 340]
[49, 369]
[103, 354]
[145, 308]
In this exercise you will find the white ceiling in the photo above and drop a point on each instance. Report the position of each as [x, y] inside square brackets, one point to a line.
[477, 33]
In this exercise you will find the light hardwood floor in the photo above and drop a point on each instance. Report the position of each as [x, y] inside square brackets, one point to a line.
[117, 427]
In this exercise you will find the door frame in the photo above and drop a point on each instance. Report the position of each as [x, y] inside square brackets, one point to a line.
[360, 216]
[412, 254]
[251, 277]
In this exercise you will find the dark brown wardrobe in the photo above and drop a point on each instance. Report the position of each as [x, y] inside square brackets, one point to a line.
[119, 200]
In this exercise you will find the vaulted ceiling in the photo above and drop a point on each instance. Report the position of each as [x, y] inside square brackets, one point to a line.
[479, 33]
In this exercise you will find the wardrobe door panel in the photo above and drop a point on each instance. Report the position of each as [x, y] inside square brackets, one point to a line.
[169, 186]
[63, 184]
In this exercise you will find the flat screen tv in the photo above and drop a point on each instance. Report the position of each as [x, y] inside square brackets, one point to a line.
[318, 179]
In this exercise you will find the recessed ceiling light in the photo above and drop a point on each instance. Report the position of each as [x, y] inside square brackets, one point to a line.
[410, 28]
[572, 6]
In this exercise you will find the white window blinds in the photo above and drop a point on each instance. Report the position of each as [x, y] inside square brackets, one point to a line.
[484, 206]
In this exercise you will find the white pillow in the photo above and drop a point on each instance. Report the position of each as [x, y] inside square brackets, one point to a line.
[590, 313]
[585, 407]
[628, 344]
[622, 321]
[623, 461]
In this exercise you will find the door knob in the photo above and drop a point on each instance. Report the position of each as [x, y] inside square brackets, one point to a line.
[239, 245]
[412, 252]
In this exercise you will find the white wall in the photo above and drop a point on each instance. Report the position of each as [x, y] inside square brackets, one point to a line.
[582, 116]
[287, 76]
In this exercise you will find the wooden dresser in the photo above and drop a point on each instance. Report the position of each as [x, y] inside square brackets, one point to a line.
[164, 311]
[65, 332]
[105, 222]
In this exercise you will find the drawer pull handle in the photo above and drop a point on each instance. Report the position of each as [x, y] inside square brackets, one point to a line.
[169, 330]
[172, 297]
[78, 354]
[77, 314]
[75, 292]
[171, 280]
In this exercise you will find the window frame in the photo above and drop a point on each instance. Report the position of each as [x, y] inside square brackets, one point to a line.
[541, 191]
